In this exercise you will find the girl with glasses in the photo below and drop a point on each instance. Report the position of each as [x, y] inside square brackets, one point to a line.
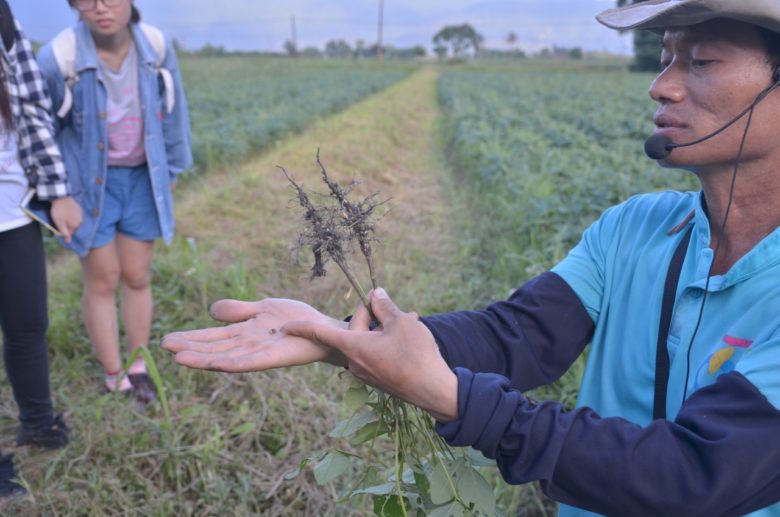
[123, 128]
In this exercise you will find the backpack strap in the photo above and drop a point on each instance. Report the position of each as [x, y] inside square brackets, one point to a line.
[157, 40]
[64, 48]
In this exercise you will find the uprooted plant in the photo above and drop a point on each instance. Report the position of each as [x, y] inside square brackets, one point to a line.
[331, 230]
[426, 477]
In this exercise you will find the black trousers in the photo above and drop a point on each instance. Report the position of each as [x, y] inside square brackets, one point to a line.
[24, 320]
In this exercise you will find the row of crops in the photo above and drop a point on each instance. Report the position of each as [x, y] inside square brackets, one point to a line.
[539, 154]
[241, 105]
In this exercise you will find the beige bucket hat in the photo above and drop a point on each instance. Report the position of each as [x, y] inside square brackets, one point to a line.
[657, 15]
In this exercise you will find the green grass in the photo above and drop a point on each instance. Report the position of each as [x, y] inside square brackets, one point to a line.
[208, 448]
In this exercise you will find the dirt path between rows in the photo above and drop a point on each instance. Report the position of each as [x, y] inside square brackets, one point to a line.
[390, 143]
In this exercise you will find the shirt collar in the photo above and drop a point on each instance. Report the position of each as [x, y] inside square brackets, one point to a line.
[765, 254]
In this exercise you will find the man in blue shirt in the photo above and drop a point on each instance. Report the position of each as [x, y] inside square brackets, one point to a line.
[717, 450]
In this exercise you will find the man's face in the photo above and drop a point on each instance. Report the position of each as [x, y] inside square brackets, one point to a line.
[710, 73]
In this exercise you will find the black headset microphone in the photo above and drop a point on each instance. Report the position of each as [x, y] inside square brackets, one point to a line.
[659, 147]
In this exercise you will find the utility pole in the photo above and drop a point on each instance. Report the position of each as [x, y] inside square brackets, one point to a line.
[379, 39]
[294, 37]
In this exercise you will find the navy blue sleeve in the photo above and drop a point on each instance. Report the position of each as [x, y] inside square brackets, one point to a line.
[531, 339]
[719, 457]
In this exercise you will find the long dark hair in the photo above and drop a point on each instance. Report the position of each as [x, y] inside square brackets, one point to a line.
[8, 34]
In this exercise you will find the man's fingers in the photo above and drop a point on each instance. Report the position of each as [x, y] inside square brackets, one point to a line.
[327, 335]
[205, 361]
[175, 344]
[233, 310]
[361, 320]
[245, 359]
[384, 308]
[206, 335]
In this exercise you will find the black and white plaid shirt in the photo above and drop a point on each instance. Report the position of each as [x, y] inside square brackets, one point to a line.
[31, 106]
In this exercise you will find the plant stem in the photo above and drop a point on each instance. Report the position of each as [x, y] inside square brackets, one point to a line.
[361, 293]
[399, 472]
[355, 284]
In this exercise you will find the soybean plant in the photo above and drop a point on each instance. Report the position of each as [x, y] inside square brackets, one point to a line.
[427, 477]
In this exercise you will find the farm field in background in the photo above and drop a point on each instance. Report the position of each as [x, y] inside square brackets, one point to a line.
[538, 154]
[239, 106]
[493, 170]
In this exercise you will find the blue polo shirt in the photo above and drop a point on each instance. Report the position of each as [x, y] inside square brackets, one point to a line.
[717, 452]
[618, 272]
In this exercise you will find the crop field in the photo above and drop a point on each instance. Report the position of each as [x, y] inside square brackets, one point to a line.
[539, 154]
[241, 105]
[490, 172]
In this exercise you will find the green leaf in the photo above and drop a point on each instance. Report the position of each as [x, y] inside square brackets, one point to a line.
[369, 432]
[378, 490]
[351, 425]
[474, 491]
[355, 397]
[478, 459]
[453, 509]
[441, 490]
[294, 473]
[101, 404]
[389, 506]
[154, 374]
[194, 410]
[241, 429]
[423, 485]
[334, 464]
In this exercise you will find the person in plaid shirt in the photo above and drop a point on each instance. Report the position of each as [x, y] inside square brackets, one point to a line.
[29, 159]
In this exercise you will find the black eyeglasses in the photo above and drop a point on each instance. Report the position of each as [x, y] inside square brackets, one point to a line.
[90, 5]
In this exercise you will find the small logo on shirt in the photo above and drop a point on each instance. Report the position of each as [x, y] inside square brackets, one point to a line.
[722, 360]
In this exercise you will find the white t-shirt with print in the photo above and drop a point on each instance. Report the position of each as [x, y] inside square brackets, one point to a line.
[125, 119]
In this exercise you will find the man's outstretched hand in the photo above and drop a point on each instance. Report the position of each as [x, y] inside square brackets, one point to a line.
[254, 341]
[400, 357]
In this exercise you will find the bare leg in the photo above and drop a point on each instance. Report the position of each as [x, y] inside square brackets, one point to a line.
[100, 273]
[135, 259]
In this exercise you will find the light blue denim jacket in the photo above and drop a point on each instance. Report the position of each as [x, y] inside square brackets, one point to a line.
[83, 134]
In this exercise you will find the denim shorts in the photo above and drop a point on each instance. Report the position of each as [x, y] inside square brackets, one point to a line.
[128, 207]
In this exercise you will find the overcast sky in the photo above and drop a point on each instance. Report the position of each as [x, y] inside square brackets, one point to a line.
[266, 25]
